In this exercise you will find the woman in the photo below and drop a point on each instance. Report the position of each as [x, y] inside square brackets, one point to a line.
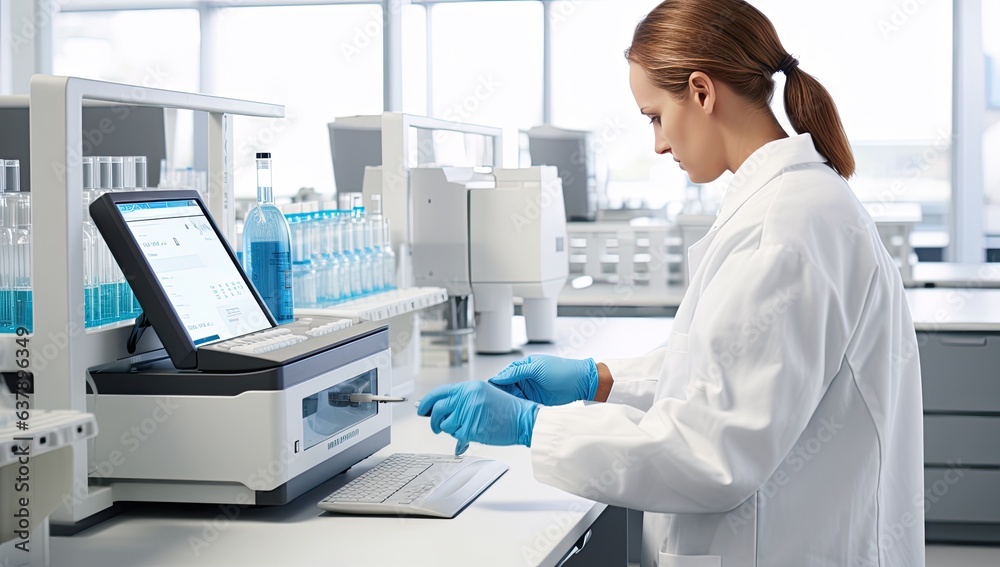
[781, 424]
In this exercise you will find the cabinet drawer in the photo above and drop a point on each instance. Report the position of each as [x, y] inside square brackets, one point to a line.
[960, 371]
[959, 439]
[961, 495]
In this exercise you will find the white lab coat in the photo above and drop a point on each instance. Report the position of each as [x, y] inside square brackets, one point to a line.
[781, 424]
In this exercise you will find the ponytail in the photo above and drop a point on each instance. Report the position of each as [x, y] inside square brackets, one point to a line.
[811, 109]
[733, 42]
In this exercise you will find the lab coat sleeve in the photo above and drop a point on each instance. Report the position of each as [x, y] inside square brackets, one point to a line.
[635, 379]
[767, 336]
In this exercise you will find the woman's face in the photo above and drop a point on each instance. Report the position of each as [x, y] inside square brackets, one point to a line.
[682, 128]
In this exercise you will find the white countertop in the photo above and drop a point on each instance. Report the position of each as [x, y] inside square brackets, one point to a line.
[950, 274]
[971, 303]
[517, 521]
[954, 309]
[610, 296]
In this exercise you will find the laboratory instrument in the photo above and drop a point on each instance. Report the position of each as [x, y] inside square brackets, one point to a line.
[416, 484]
[224, 358]
[492, 234]
[582, 172]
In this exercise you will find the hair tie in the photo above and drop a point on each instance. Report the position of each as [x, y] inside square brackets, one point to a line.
[787, 64]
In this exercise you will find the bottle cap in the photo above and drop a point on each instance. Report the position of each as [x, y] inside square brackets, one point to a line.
[263, 155]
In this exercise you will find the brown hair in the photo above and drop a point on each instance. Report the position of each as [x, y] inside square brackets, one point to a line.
[736, 44]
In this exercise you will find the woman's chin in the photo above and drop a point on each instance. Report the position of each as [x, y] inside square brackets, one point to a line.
[700, 178]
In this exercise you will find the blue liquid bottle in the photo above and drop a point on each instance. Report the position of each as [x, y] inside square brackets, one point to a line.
[351, 254]
[340, 256]
[320, 260]
[362, 247]
[373, 227]
[328, 248]
[388, 258]
[267, 248]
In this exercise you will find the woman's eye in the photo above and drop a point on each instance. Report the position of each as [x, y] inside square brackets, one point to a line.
[654, 119]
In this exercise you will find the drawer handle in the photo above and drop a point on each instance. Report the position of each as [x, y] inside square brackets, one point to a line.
[963, 341]
[578, 547]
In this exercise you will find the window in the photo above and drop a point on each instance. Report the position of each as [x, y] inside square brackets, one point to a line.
[888, 66]
[150, 48]
[590, 91]
[887, 63]
[321, 62]
[487, 65]
[991, 133]
[415, 60]
[892, 84]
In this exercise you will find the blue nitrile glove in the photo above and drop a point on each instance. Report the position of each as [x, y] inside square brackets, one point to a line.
[549, 380]
[476, 411]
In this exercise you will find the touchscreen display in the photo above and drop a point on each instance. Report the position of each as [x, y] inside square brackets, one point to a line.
[205, 287]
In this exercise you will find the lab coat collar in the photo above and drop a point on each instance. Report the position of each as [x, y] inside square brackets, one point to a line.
[762, 166]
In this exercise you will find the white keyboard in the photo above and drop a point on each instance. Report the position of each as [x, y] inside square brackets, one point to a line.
[279, 337]
[416, 485]
[384, 305]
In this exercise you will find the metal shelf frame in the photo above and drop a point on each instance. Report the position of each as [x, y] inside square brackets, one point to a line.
[62, 350]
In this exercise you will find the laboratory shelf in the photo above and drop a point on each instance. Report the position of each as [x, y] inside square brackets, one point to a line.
[48, 430]
[61, 351]
[34, 453]
[382, 306]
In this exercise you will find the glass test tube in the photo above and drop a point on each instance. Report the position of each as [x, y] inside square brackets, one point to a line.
[6, 255]
[23, 309]
[91, 250]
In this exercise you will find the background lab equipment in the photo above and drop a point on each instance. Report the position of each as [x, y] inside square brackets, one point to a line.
[573, 153]
[494, 234]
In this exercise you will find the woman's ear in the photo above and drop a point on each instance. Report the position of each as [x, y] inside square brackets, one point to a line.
[701, 89]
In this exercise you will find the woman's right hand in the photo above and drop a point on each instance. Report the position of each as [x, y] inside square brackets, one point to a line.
[549, 380]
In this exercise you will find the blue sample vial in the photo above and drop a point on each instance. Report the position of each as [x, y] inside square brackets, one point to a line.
[267, 248]
[361, 246]
[303, 272]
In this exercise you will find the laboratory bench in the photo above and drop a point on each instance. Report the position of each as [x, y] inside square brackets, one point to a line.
[621, 300]
[517, 521]
[958, 332]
